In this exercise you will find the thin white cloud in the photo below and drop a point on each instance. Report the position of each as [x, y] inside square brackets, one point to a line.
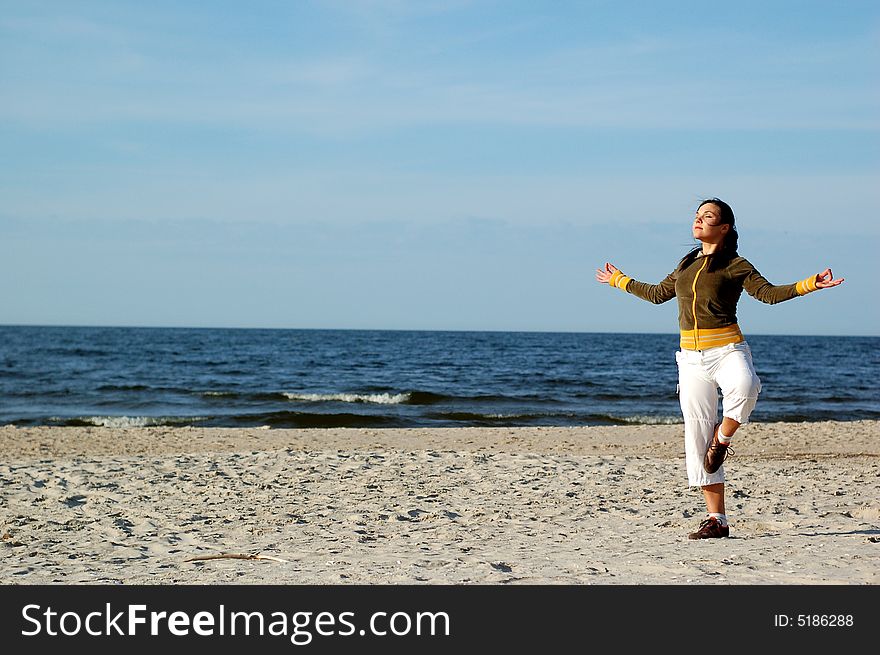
[65, 28]
[322, 99]
[642, 82]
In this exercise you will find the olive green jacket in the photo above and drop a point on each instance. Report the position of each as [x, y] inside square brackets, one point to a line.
[707, 299]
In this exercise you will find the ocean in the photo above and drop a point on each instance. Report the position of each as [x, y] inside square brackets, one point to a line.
[122, 377]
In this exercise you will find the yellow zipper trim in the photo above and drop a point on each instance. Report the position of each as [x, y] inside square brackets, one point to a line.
[694, 304]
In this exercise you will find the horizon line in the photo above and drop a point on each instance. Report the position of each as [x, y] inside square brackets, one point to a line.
[373, 329]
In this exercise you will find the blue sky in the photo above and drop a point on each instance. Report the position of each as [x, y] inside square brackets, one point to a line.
[429, 165]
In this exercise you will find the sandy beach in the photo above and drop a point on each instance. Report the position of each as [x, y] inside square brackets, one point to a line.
[585, 505]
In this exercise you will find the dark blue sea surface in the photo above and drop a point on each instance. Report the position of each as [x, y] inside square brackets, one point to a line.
[351, 378]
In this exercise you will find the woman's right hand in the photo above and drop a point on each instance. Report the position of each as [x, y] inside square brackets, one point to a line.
[604, 275]
[825, 280]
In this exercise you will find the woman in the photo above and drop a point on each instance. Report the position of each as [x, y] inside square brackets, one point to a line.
[708, 283]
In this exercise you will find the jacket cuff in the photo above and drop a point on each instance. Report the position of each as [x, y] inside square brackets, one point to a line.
[619, 280]
[806, 286]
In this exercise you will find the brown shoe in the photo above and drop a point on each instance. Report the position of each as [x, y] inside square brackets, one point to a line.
[711, 528]
[716, 454]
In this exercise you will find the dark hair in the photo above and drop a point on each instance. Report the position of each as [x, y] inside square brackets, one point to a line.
[727, 251]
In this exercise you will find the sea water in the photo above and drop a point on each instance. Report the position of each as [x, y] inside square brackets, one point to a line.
[354, 378]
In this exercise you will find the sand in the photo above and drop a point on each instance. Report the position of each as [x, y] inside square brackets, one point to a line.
[584, 505]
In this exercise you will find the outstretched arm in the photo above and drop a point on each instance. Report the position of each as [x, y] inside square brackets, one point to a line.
[655, 293]
[759, 288]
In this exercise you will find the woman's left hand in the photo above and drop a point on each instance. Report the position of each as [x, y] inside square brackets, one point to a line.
[825, 279]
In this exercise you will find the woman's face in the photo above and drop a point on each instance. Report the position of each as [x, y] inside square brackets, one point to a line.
[707, 224]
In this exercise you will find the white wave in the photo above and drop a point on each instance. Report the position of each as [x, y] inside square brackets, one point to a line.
[120, 421]
[652, 420]
[378, 398]
[134, 421]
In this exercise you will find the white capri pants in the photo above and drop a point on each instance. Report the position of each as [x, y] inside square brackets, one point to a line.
[700, 374]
